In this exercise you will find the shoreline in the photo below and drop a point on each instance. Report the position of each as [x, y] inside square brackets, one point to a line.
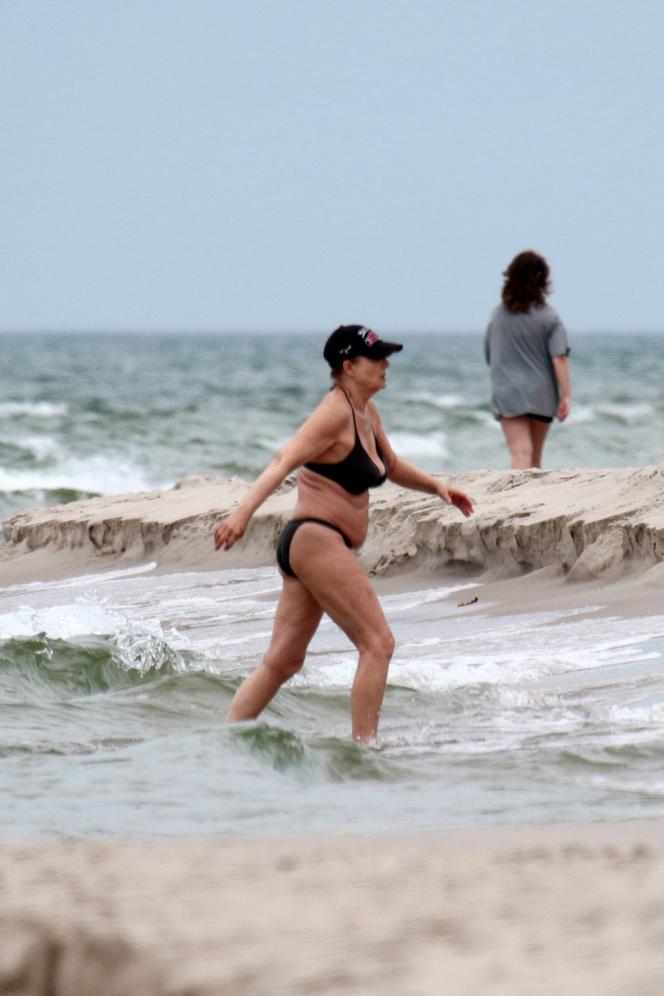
[538, 538]
[517, 910]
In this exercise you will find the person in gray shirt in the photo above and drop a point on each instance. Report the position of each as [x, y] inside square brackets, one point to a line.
[526, 348]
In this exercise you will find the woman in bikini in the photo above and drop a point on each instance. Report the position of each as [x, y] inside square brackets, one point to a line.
[342, 451]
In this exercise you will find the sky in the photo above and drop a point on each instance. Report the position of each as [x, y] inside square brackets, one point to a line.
[296, 164]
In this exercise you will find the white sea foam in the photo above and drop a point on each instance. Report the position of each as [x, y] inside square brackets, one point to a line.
[581, 414]
[651, 789]
[403, 603]
[445, 402]
[140, 643]
[627, 412]
[42, 447]
[528, 698]
[517, 653]
[99, 474]
[61, 622]
[40, 409]
[269, 443]
[638, 714]
[413, 446]
[82, 580]
[530, 660]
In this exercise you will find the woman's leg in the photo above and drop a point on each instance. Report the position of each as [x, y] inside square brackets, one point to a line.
[340, 586]
[295, 622]
[538, 433]
[519, 441]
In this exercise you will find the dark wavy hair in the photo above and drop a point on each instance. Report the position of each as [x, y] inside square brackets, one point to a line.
[526, 282]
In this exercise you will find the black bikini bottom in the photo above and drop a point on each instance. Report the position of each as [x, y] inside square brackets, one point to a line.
[286, 538]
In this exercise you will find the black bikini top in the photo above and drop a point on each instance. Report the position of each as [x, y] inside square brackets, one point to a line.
[356, 472]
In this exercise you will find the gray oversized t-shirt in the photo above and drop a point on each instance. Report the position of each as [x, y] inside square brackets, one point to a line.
[519, 349]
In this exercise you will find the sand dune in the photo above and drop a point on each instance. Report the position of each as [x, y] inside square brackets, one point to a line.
[588, 523]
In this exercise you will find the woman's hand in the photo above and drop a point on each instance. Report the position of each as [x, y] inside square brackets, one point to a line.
[562, 411]
[230, 530]
[459, 499]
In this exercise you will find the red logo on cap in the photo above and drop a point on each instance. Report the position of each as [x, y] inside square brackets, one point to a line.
[370, 338]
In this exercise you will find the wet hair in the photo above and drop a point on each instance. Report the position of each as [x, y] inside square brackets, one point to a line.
[526, 282]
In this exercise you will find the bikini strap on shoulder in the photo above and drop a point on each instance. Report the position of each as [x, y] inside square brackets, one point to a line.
[352, 409]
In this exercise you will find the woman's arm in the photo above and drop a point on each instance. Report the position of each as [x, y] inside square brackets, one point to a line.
[399, 471]
[315, 436]
[409, 476]
[561, 369]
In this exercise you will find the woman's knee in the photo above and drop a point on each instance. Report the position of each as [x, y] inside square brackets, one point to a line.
[379, 644]
[521, 449]
[283, 665]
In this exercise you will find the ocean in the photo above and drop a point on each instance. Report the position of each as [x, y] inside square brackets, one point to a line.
[90, 414]
[113, 688]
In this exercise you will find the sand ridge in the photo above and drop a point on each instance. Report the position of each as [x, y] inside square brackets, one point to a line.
[587, 523]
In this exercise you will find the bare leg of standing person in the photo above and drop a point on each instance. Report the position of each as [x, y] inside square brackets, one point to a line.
[295, 622]
[538, 433]
[330, 579]
[335, 578]
[519, 441]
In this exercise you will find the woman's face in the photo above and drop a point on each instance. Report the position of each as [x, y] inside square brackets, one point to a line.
[370, 375]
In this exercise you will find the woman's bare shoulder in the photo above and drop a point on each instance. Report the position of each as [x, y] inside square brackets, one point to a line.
[332, 408]
[334, 401]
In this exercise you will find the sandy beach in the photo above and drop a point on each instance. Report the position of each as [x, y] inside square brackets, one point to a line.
[520, 910]
[537, 537]
[575, 909]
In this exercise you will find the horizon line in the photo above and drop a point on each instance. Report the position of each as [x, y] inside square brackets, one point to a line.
[283, 330]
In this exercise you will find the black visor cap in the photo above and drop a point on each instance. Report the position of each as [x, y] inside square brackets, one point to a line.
[349, 341]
